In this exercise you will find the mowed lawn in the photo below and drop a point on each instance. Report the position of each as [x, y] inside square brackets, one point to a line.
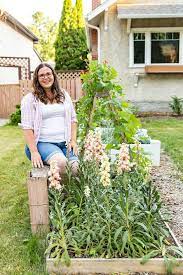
[170, 132]
[20, 252]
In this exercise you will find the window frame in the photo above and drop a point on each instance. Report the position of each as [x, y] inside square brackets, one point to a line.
[147, 32]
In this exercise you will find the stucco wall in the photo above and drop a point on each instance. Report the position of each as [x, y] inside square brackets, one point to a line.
[152, 92]
[13, 43]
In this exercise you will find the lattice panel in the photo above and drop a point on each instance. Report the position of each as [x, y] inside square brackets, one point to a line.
[23, 62]
[68, 75]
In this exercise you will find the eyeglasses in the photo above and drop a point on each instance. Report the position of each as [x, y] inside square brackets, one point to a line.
[47, 75]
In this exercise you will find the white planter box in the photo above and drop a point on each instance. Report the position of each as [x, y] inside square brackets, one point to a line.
[152, 150]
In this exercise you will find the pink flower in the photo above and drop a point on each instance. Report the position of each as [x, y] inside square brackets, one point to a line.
[123, 163]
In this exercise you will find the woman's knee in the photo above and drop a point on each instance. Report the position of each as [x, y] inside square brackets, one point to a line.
[61, 162]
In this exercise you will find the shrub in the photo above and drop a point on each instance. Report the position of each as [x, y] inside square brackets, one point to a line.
[177, 105]
[15, 117]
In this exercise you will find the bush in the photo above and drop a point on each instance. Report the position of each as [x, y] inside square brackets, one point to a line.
[15, 117]
[177, 105]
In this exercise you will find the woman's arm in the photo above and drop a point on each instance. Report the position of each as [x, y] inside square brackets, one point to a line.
[35, 156]
[73, 142]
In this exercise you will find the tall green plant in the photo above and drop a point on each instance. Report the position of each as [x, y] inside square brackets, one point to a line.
[104, 100]
[70, 46]
[177, 105]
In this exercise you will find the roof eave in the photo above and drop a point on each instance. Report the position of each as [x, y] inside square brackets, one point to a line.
[100, 9]
[21, 27]
[148, 16]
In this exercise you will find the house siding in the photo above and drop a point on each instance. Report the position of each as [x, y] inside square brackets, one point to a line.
[152, 92]
[13, 43]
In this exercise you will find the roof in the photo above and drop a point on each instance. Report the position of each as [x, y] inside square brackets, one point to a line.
[126, 11]
[151, 10]
[15, 24]
[102, 7]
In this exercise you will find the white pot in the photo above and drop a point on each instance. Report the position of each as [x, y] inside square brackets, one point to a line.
[152, 150]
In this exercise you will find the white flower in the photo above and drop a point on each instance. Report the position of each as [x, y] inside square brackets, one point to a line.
[105, 171]
[87, 191]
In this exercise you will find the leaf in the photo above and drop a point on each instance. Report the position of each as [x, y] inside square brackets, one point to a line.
[150, 255]
[116, 235]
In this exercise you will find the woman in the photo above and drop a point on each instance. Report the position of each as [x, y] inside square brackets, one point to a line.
[49, 122]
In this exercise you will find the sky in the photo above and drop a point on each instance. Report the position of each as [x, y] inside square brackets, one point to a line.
[22, 10]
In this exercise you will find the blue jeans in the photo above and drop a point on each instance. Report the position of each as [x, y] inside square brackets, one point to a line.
[47, 150]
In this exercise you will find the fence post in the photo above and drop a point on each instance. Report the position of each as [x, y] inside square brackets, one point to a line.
[38, 200]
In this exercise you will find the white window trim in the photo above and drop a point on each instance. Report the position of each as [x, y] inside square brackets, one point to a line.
[148, 32]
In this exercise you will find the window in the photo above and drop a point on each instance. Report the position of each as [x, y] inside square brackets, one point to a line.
[139, 48]
[155, 47]
[165, 47]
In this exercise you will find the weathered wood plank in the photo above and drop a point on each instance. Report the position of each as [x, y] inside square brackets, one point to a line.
[38, 199]
[110, 266]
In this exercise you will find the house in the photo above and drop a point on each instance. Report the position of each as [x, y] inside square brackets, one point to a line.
[17, 55]
[143, 41]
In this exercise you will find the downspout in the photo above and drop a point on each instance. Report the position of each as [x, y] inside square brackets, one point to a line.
[98, 40]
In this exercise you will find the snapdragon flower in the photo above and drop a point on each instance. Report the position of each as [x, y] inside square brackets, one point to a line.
[123, 162]
[54, 176]
[105, 171]
[94, 149]
[87, 191]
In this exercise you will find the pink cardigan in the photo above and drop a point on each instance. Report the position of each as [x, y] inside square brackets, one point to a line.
[31, 117]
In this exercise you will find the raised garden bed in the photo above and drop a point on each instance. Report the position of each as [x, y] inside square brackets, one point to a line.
[111, 266]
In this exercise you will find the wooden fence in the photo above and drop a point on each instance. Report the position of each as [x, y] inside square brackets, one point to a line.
[11, 94]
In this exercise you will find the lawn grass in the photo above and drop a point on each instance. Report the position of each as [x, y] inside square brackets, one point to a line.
[170, 132]
[20, 252]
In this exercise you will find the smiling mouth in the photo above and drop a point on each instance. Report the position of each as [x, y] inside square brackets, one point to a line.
[46, 82]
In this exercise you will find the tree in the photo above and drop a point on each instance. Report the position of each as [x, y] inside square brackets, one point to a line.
[70, 46]
[45, 29]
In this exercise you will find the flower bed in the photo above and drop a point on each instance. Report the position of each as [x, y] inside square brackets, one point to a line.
[107, 211]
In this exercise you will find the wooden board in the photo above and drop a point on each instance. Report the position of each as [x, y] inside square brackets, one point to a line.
[164, 69]
[110, 266]
[38, 199]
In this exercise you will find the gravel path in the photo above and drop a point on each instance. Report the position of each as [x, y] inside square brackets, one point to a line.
[168, 180]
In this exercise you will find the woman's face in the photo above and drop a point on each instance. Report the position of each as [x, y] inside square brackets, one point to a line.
[45, 77]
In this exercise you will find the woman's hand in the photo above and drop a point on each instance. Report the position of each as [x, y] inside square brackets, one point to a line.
[36, 160]
[73, 145]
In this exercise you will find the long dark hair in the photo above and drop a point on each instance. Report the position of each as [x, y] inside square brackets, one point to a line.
[39, 92]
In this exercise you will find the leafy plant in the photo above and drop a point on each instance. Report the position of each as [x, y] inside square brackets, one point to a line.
[15, 117]
[71, 33]
[103, 100]
[177, 105]
[118, 220]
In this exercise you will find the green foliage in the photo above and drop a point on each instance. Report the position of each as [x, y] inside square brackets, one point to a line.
[103, 100]
[70, 45]
[121, 220]
[45, 29]
[15, 117]
[177, 105]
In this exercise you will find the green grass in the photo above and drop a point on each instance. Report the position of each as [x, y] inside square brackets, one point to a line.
[20, 252]
[170, 132]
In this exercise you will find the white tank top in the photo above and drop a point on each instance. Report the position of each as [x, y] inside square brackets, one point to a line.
[53, 123]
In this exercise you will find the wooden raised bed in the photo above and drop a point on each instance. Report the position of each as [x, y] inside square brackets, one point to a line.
[110, 266]
[39, 219]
